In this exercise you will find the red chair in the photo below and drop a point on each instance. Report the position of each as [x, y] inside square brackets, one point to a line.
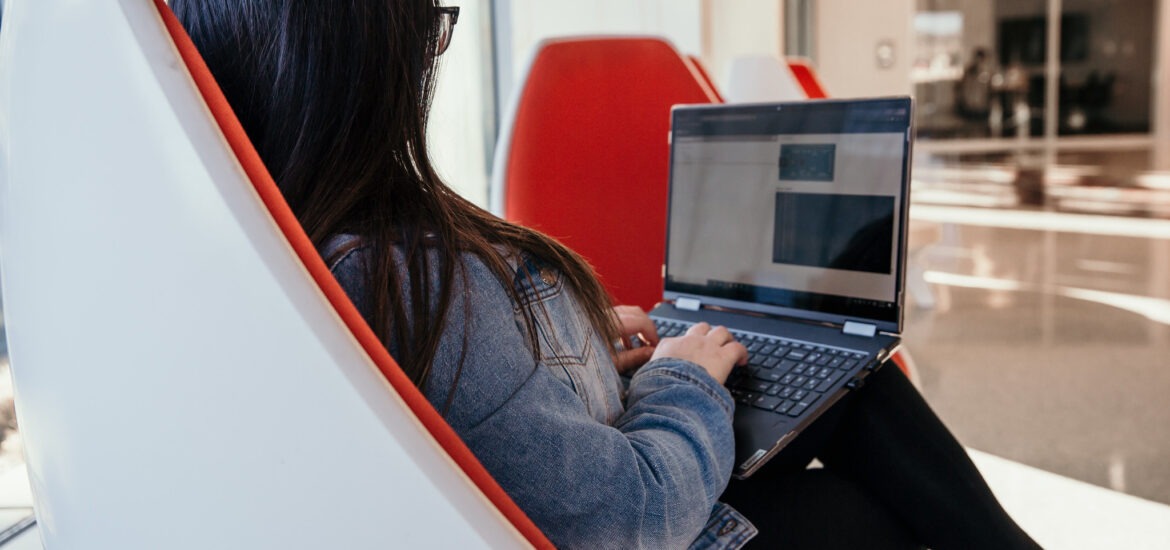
[585, 156]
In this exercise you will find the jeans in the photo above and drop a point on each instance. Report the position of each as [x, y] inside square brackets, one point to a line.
[894, 477]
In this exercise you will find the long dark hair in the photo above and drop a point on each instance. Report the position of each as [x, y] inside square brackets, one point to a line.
[334, 96]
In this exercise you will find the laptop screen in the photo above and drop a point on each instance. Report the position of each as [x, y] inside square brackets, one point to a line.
[794, 208]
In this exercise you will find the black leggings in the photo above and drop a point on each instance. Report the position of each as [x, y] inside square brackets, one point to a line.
[894, 477]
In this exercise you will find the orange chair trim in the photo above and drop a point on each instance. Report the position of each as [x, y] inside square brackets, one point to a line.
[283, 216]
[806, 76]
[696, 66]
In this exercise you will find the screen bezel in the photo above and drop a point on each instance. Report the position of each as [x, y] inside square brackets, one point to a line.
[835, 315]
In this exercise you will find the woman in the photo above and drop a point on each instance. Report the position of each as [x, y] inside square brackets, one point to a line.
[512, 338]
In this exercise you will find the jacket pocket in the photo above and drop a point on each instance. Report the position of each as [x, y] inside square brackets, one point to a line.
[564, 344]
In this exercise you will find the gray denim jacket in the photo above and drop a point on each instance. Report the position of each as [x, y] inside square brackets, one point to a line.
[593, 465]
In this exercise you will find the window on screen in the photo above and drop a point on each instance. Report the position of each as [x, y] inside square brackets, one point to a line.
[849, 232]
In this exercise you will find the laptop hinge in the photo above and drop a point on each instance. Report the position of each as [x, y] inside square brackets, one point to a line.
[859, 329]
[689, 304]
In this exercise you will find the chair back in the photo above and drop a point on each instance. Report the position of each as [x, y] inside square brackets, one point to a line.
[188, 374]
[584, 154]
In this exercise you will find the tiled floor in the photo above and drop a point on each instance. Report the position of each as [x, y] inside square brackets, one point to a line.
[1052, 347]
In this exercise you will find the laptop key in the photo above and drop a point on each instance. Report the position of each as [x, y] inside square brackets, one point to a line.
[797, 355]
[848, 364]
[786, 392]
[769, 375]
[748, 384]
[828, 382]
[799, 408]
[770, 362]
[785, 406]
[799, 394]
[786, 365]
[812, 384]
[773, 389]
[799, 368]
[747, 398]
[767, 403]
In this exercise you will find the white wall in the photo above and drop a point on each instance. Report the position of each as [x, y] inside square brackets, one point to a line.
[535, 20]
[847, 36]
[734, 28]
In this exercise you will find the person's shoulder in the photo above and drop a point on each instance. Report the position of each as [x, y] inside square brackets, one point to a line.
[349, 255]
[346, 256]
[343, 251]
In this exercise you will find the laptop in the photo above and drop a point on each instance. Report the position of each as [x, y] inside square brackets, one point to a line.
[787, 225]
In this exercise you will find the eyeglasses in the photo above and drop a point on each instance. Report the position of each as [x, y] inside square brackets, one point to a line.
[448, 16]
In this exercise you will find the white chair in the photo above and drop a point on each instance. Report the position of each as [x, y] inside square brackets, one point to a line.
[762, 78]
[188, 374]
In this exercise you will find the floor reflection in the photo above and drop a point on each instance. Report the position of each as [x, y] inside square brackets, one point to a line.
[1049, 346]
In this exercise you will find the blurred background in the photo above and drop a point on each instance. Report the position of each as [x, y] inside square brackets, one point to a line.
[1040, 218]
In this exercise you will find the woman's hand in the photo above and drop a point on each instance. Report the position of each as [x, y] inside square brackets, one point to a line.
[635, 326]
[714, 349]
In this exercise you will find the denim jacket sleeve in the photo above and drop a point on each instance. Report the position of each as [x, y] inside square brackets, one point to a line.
[649, 480]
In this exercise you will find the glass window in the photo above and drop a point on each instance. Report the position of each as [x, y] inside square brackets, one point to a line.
[462, 116]
[1106, 63]
[981, 68]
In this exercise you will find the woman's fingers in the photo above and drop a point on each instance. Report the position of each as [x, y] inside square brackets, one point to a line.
[721, 335]
[699, 328]
[735, 352]
[633, 322]
[714, 349]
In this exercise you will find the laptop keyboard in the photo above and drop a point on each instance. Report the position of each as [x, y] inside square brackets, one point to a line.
[783, 376]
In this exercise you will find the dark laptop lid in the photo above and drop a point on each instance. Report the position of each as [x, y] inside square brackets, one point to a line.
[795, 209]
